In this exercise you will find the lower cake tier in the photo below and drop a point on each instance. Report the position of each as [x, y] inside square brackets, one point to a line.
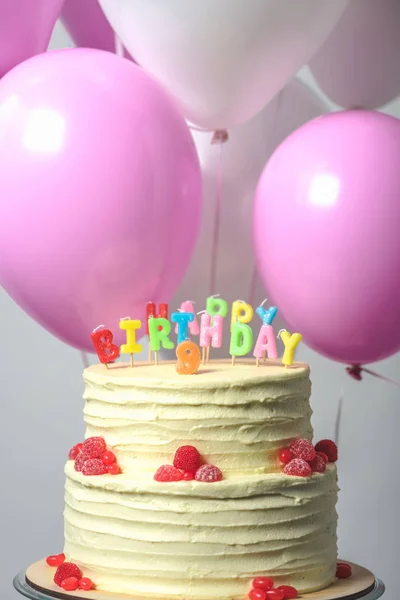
[197, 540]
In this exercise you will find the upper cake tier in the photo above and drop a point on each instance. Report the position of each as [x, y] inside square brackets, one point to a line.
[236, 416]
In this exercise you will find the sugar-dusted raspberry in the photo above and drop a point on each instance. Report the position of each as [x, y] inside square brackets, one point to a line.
[188, 476]
[263, 583]
[94, 466]
[343, 570]
[113, 469]
[257, 594]
[73, 453]
[70, 584]
[317, 464]
[208, 473]
[285, 456]
[94, 447]
[80, 461]
[302, 448]
[168, 473]
[323, 456]
[329, 448]
[55, 560]
[297, 467]
[66, 570]
[108, 457]
[274, 594]
[187, 458]
[86, 584]
[289, 592]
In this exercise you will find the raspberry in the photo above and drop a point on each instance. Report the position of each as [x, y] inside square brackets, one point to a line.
[70, 584]
[187, 458]
[113, 469]
[263, 583]
[208, 473]
[168, 473]
[274, 595]
[73, 453]
[323, 456]
[302, 448]
[289, 592]
[80, 461]
[297, 467]
[94, 466]
[55, 560]
[285, 456]
[188, 476]
[329, 448]
[343, 571]
[66, 570]
[94, 447]
[318, 465]
[108, 457]
[257, 594]
[85, 584]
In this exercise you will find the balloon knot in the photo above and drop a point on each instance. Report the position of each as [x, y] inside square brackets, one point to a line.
[220, 136]
[355, 371]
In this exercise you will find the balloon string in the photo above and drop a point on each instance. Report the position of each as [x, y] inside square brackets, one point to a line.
[356, 371]
[119, 49]
[85, 360]
[217, 223]
[338, 420]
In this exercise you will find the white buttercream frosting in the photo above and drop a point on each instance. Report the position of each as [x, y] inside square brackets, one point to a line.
[197, 540]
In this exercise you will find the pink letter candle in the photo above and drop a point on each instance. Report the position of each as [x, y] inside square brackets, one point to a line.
[210, 333]
[265, 343]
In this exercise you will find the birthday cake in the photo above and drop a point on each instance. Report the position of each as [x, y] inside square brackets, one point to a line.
[204, 486]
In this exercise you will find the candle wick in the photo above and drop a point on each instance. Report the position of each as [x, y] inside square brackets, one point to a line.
[263, 302]
[242, 301]
[97, 328]
[279, 332]
[201, 312]
[191, 301]
[125, 319]
[215, 296]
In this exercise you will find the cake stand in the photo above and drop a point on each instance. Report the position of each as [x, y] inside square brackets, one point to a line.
[36, 583]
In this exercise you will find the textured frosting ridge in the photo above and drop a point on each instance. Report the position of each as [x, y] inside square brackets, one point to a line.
[197, 540]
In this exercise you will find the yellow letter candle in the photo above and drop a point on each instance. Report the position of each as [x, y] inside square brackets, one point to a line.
[131, 347]
[241, 312]
[290, 341]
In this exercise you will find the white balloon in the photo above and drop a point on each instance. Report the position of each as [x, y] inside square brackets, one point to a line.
[223, 60]
[359, 64]
[243, 158]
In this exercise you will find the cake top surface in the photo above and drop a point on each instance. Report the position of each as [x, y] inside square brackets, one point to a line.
[215, 372]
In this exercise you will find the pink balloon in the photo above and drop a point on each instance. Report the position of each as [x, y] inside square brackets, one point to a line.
[101, 191]
[25, 29]
[87, 25]
[326, 235]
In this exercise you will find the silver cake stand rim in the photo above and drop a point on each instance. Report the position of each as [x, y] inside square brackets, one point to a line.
[22, 587]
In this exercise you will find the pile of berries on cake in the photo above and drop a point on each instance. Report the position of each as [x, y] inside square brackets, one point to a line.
[263, 589]
[187, 465]
[92, 457]
[68, 575]
[302, 458]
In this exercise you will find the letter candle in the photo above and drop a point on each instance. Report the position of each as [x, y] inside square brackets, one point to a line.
[130, 326]
[266, 316]
[241, 340]
[183, 320]
[102, 339]
[159, 329]
[290, 341]
[210, 333]
[215, 307]
[265, 344]
[151, 312]
[188, 306]
[241, 312]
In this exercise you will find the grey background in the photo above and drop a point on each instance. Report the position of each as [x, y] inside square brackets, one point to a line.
[41, 417]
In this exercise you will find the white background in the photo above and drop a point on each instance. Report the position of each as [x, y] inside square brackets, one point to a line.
[41, 417]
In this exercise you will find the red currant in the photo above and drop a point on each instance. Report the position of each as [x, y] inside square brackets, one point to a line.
[188, 476]
[55, 560]
[70, 584]
[288, 591]
[285, 456]
[274, 595]
[343, 571]
[108, 457]
[263, 583]
[257, 594]
[85, 584]
[113, 469]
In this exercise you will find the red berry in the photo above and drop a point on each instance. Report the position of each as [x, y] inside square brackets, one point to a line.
[285, 456]
[297, 467]
[302, 448]
[323, 456]
[94, 447]
[343, 571]
[108, 457]
[66, 570]
[318, 465]
[55, 560]
[168, 473]
[187, 458]
[94, 466]
[80, 461]
[263, 583]
[73, 453]
[274, 595]
[288, 591]
[85, 584]
[113, 469]
[329, 448]
[208, 473]
[70, 584]
[257, 594]
[188, 476]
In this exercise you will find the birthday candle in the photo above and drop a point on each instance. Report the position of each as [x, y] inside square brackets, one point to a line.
[290, 342]
[188, 355]
[188, 306]
[102, 339]
[216, 306]
[183, 320]
[267, 315]
[211, 333]
[159, 329]
[241, 340]
[265, 343]
[241, 312]
[151, 312]
[131, 347]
